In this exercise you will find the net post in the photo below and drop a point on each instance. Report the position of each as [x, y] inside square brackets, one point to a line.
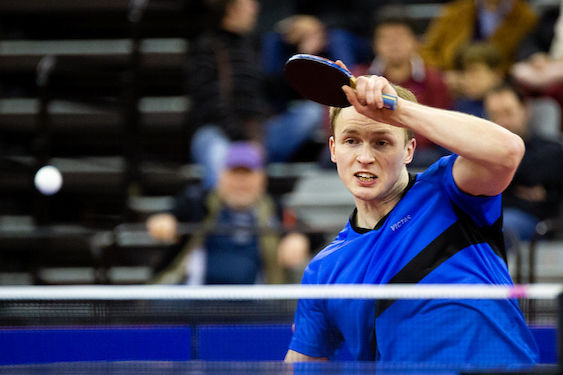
[560, 332]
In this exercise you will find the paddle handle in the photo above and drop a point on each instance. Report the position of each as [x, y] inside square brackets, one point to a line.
[389, 101]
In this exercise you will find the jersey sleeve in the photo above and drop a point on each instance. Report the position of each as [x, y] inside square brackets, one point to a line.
[312, 334]
[484, 210]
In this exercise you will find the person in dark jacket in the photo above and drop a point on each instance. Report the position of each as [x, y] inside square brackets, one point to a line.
[536, 190]
[239, 239]
[226, 87]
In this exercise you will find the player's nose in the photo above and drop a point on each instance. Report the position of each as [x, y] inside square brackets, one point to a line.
[365, 154]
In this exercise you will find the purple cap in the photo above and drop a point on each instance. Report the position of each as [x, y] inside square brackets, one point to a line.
[245, 155]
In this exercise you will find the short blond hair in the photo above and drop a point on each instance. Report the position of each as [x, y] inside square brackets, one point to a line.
[402, 93]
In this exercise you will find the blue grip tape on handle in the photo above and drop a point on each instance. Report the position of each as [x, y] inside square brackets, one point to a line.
[389, 101]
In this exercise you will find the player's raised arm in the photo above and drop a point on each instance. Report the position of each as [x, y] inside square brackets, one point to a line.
[293, 356]
[488, 154]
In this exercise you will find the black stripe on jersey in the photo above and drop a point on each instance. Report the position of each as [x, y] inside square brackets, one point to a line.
[461, 234]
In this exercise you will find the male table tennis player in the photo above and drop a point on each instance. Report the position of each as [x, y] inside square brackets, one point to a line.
[439, 226]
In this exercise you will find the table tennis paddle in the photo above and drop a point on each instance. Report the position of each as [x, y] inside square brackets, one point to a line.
[321, 80]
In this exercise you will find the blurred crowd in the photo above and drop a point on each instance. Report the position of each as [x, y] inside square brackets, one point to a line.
[236, 81]
[496, 59]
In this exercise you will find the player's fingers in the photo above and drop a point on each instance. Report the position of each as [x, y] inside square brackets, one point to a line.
[341, 64]
[372, 93]
[380, 84]
[384, 85]
[361, 87]
[352, 97]
[350, 93]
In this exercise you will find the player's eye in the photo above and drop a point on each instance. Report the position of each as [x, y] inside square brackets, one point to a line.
[350, 141]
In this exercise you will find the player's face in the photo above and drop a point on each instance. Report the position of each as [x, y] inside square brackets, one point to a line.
[370, 156]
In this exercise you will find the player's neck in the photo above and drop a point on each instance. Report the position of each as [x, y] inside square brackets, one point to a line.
[371, 212]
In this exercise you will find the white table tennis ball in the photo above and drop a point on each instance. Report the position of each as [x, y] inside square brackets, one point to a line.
[48, 180]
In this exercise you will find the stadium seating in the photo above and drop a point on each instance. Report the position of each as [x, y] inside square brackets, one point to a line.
[96, 89]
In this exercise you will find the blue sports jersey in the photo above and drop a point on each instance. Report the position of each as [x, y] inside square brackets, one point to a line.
[436, 234]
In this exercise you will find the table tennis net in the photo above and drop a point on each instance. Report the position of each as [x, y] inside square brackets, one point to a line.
[254, 323]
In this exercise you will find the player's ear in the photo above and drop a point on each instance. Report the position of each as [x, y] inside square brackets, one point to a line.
[331, 147]
[410, 147]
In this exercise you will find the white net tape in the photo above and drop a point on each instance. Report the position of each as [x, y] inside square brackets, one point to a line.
[280, 292]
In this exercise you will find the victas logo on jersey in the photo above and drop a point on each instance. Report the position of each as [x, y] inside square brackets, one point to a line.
[400, 223]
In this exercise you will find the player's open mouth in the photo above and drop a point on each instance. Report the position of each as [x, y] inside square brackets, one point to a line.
[365, 177]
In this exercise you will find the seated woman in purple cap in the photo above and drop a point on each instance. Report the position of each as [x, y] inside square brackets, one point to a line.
[231, 248]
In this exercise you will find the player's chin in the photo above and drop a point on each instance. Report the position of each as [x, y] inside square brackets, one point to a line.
[364, 194]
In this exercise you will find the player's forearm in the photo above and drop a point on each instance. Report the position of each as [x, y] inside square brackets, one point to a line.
[473, 138]
[293, 356]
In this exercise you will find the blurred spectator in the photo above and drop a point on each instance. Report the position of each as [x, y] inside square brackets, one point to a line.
[539, 53]
[238, 242]
[295, 34]
[536, 190]
[349, 23]
[503, 23]
[303, 34]
[225, 84]
[557, 43]
[480, 71]
[395, 45]
[539, 70]
[539, 40]
[292, 35]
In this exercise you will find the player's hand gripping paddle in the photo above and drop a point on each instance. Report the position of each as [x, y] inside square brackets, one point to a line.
[321, 81]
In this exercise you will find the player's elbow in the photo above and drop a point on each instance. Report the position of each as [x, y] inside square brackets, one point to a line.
[514, 150]
[506, 164]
